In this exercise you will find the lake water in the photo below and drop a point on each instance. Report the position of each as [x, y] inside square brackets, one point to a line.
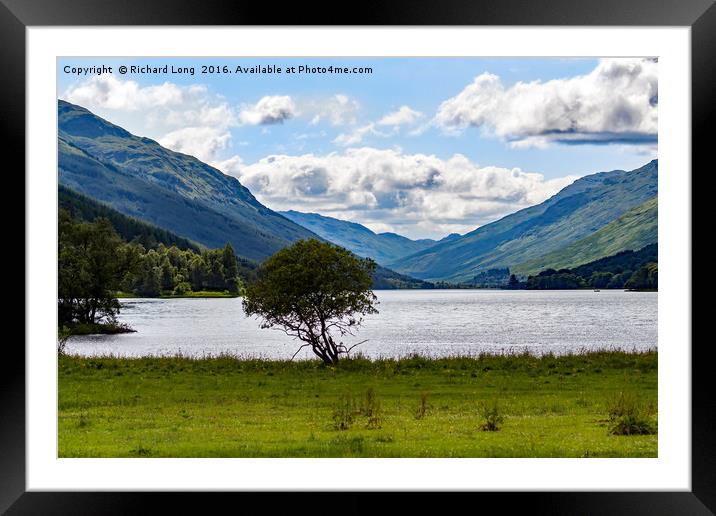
[429, 322]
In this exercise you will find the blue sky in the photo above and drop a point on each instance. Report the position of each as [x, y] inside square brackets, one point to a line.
[490, 135]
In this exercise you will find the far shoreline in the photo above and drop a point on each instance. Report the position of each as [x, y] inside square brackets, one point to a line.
[224, 295]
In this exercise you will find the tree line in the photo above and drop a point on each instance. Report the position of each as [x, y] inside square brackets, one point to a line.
[174, 271]
[95, 263]
[633, 270]
[644, 278]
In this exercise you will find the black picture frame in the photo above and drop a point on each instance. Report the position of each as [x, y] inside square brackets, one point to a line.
[17, 15]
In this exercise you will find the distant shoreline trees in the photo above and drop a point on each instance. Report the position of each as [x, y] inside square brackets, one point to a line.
[631, 270]
[174, 271]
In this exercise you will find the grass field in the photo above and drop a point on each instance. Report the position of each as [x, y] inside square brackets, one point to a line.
[413, 407]
[198, 293]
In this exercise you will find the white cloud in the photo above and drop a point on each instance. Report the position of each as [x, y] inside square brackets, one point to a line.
[617, 102]
[273, 109]
[356, 135]
[404, 116]
[412, 194]
[337, 110]
[106, 91]
[231, 166]
[186, 119]
[203, 143]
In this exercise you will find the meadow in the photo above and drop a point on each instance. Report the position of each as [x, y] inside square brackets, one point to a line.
[592, 404]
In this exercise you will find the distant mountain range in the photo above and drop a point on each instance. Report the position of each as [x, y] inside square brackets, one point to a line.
[594, 217]
[581, 222]
[140, 178]
[382, 247]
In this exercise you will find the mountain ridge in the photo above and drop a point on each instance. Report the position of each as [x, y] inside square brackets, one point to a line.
[632, 231]
[382, 247]
[575, 212]
[174, 191]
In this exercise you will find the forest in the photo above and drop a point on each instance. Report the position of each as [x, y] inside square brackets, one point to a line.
[631, 270]
[95, 264]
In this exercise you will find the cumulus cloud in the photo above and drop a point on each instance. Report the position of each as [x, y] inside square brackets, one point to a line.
[617, 102]
[230, 167]
[272, 109]
[412, 194]
[106, 91]
[186, 119]
[404, 116]
[201, 142]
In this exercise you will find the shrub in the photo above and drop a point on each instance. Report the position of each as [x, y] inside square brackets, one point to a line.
[182, 289]
[372, 410]
[344, 412]
[491, 416]
[628, 416]
[423, 407]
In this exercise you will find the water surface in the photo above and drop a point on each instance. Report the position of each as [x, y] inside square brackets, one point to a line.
[429, 322]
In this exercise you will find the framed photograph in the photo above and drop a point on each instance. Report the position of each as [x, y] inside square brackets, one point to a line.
[413, 251]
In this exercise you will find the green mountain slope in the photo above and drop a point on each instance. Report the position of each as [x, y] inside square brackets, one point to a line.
[86, 209]
[382, 247]
[574, 213]
[634, 230]
[174, 191]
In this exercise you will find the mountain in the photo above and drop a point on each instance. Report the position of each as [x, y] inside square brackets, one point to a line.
[634, 230]
[382, 247]
[576, 212]
[174, 191]
[85, 209]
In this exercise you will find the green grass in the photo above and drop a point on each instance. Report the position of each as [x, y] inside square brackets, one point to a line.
[198, 293]
[201, 293]
[412, 407]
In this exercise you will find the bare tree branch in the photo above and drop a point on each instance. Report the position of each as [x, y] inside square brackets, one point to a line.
[299, 349]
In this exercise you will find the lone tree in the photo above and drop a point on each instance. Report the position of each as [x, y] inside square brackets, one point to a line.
[92, 260]
[311, 290]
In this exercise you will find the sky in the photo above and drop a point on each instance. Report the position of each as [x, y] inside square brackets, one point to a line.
[423, 147]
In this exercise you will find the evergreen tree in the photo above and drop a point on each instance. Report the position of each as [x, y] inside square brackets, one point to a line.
[197, 273]
[168, 275]
[232, 280]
